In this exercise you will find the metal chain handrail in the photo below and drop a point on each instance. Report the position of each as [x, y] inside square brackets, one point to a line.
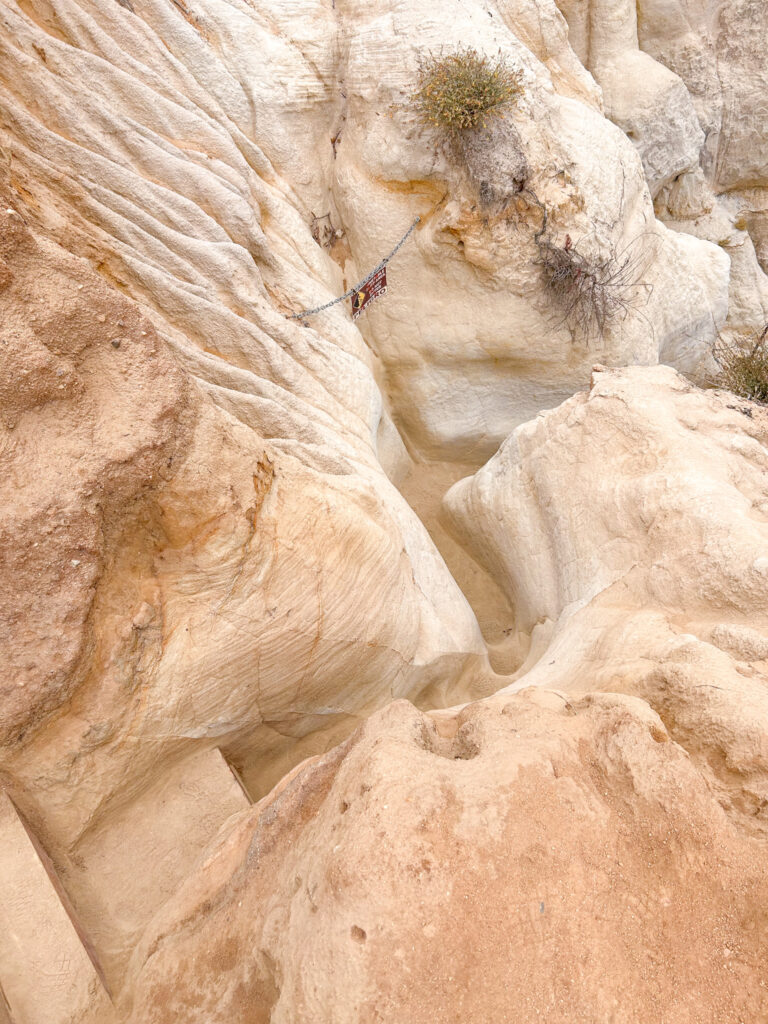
[359, 286]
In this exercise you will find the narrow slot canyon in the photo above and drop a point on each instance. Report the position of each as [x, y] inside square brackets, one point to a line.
[384, 547]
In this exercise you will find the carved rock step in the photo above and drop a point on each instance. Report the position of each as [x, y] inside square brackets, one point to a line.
[142, 852]
[5, 1010]
[47, 973]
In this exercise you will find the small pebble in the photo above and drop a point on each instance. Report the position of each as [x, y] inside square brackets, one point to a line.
[115, 343]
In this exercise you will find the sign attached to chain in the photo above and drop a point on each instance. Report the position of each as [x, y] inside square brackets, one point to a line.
[364, 293]
[371, 289]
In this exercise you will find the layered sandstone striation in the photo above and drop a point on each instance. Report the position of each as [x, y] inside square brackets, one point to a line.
[231, 538]
[646, 573]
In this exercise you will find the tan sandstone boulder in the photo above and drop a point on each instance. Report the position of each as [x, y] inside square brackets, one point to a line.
[530, 858]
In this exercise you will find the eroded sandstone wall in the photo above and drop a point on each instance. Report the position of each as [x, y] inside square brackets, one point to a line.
[224, 543]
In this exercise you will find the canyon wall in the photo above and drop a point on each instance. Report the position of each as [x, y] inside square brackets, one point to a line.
[374, 670]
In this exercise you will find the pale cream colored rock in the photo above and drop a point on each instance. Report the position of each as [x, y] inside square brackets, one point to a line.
[347, 145]
[733, 223]
[742, 156]
[208, 551]
[718, 51]
[646, 99]
[122, 869]
[627, 528]
[683, 36]
[756, 203]
[470, 338]
[177, 581]
[229, 598]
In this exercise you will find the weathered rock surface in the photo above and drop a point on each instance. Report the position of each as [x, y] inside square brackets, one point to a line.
[229, 190]
[210, 571]
[530, 858]
[687, 82]
[647, 99]
[172, 586]
[498, 350]
[40, 935]
[629, 530]
[92, 408]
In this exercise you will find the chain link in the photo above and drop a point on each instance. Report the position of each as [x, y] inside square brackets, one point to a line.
[359, 286]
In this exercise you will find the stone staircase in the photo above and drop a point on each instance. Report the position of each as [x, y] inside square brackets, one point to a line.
[65, 938]
[48, 973]
[5, 1010]
[146, 850]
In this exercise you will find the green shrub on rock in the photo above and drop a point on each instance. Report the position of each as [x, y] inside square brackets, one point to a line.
[462, 90]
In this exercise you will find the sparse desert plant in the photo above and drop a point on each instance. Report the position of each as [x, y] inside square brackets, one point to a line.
[323, 231]
[743, 365]
[594, 292]
[463, 89]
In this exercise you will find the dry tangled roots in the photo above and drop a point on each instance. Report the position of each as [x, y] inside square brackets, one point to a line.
[594, 292]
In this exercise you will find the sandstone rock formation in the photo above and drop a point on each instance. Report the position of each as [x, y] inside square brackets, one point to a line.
[222, 541]
[645, 573]
[527, 858]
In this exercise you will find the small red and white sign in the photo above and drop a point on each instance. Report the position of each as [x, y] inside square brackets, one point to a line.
[375, 286]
